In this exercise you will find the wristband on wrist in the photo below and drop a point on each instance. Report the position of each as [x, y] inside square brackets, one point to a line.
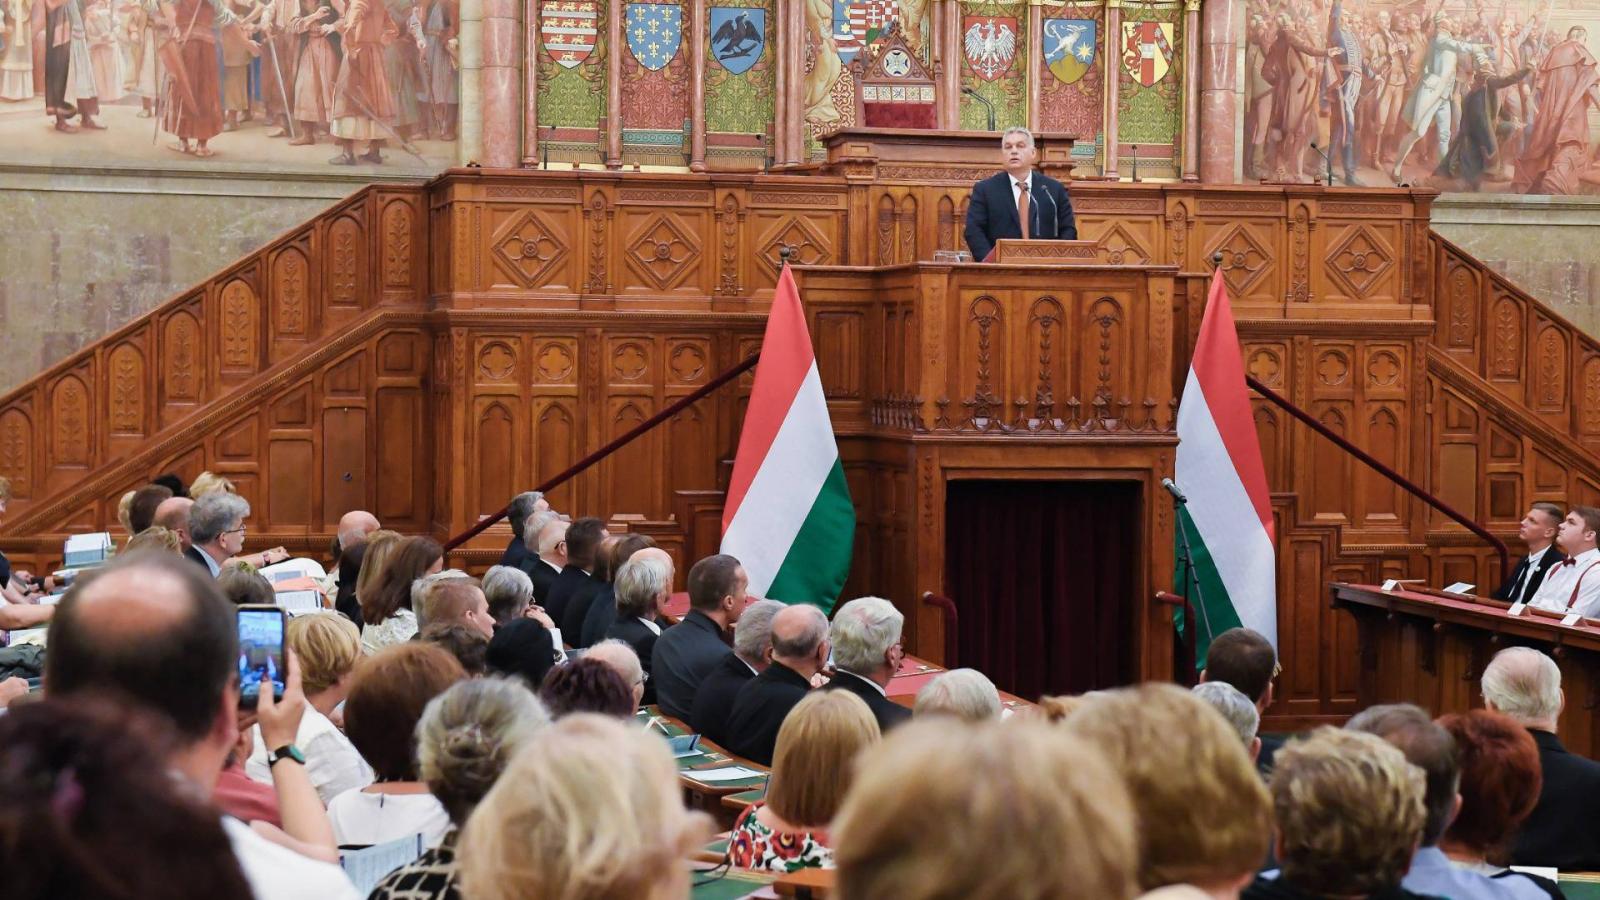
[287, 751]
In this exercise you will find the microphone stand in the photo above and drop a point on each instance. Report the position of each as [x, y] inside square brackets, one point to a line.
[1191, 577]
[1326, 159]
[988, 107]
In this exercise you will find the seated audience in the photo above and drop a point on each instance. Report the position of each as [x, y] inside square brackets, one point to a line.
[239, 795]
[1066, 819]
[241, 586]
[643, 586]
[467, 737]
[380, 545]
[686, 656]
[173, 515]
[509, 593]
[354, 527]
[799, 651]
[964, 693]
[327, 647]
[752, 653]
[151, 632]
[452, 598]
[1237, 710]
[387, 696]
[518, 510]
[867, 653]
[576, 583]
[622, 660]
[210, 483]
[523, 644]
[556, 826]
[1247, 661]
[1500, 779]
[1206, 823]
[124, 510]
[812, 770]
[602, 612]
[1525, 684]
[1350, 817]
[602, 572]
[351, 559]
[544, 567]
[465, 642]
[71, 773]
[1574, 586]
[156, 537]
[386, 606]
[142, 509]
[587, 685]
[173, 482]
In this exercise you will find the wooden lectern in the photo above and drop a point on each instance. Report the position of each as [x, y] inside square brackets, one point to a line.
[1021, 250]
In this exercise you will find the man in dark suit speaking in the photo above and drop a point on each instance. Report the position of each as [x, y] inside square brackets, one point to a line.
[1019, 202]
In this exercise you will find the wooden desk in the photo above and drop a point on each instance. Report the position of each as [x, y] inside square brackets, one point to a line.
[1430, 648]
[701, 795]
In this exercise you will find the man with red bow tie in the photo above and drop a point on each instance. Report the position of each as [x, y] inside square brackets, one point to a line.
[1573, 586]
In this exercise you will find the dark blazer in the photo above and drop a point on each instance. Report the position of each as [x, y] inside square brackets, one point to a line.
[542, 576]
[992, 212]
[713, 703]
[886, 711]
[516, 552]
[193, 554]
[637, 635]
[1561, 831]
[522, 647]
[602, 614]
[1543, 564]
[759, 711]
[572, 587]
[683, 658]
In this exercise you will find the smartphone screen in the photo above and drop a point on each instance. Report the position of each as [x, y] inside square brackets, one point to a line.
[260, 651]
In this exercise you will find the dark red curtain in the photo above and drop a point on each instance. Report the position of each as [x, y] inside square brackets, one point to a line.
[899, 115]
[1043, 575]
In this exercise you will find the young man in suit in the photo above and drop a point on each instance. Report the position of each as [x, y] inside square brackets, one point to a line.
[643, 584]
[576, 585]
[799, 651]
[685, 657]
[1019, 202]
[1538, 531]
[867, 653]
[752, 653]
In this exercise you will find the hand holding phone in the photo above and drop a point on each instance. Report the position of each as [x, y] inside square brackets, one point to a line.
[261, 652]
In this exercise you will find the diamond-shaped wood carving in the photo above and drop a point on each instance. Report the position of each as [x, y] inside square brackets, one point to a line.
[526, 248]
[1118, 247]
[662, 251]
[1244, 260]
[1360, 259]
[806, 246]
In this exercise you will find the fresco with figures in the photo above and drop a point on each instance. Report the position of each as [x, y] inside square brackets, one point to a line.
[1474, 96]
[268, 85]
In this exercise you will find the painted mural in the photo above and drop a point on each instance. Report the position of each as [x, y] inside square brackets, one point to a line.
[1473, 97]
[275, 85]
[835, 32]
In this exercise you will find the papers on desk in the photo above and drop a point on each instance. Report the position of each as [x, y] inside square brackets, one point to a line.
[370, 865]
[291, 569]
[86, 549]
[298, 603]
[1460, 587]
[1541, 871]
[722, 773]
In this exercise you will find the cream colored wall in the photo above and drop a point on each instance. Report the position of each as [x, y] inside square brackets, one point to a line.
[1548, 246]
[83, 252]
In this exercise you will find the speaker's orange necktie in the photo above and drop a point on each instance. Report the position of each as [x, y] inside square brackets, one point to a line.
[1022, 209]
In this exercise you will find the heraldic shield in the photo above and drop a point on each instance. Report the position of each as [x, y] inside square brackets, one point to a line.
[1147, 50]
[1069, 46]
[568, 28]
[990, 44]
[654, 32]
[857, 23]
[738, 36]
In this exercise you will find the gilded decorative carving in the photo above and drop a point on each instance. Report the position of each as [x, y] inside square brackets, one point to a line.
[238, 326]
[397, 244]
[126, 365]
[526, 248]
[663, 250]
[1360, 260]
[289, 277]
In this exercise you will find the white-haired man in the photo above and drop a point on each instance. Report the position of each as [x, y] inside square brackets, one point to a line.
[1019, 202]
[866, 654]
[1525, 684]
[518, 510]
[752, 653]
[622, 660]
[546, 533]
[643, 585]
[1239, 711]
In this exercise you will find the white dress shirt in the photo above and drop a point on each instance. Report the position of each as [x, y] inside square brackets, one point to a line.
[364, 818]
[332, 763]
[278, 873]
[651, 624]
[1528, 571]
[1572, 586]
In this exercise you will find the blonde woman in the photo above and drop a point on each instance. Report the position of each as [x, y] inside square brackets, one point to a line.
[557, 826]
[1015, 810]
[811, 773]
[210, 483]
[125, 512]
[328, 648]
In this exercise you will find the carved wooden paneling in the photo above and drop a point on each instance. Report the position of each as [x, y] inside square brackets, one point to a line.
[347, 265]
[240, 335]
[130, 389]
[663, 251]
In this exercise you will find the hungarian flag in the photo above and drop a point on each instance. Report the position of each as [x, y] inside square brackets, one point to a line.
[788, 518]
[1228, 516]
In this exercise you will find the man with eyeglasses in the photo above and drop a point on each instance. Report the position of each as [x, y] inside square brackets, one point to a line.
[867, 652]
[216, 533]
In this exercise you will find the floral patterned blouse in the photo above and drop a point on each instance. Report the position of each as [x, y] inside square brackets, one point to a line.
[752, 845]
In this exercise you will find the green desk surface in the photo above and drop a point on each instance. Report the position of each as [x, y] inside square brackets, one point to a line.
[1584, 886]
[735, 884]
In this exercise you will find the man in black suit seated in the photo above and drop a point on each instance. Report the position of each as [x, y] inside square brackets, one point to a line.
[518, 510]
[867, 653]
[1019, 202]
[547, 534]
[576, 584]
[752, 653]
[1538, 531]
[686, 655]
[1525, 684]
[643, 584]
[799, 651]
[1246, 660]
